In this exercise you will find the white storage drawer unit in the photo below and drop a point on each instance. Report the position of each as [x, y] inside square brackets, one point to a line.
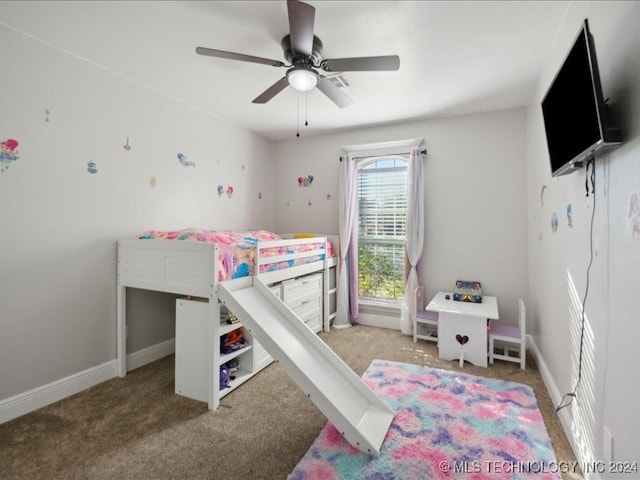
[303, 295]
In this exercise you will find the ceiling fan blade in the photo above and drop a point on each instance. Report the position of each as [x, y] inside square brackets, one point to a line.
[301, 20]
[272, 91]
[336, 95]
[362, 64]
[210, 52]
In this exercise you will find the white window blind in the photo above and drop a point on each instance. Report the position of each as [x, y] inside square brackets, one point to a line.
[382, 201]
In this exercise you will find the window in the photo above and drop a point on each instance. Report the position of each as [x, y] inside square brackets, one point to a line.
[382, 211]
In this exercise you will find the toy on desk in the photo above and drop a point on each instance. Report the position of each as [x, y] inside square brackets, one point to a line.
[468, 292]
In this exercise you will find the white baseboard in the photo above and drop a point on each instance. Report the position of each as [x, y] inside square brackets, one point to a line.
[556, 398]
[39, 397]
[150, 354]
[552, 388]
[381, 321]
[340, 327]
[546, 375]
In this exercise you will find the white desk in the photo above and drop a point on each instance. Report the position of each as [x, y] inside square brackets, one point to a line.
[462, 327]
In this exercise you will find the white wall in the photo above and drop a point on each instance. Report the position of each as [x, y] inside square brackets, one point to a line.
[475, 194]
[59, 223]
[558, 261]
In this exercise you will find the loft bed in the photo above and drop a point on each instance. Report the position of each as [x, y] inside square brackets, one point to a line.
[192, 263]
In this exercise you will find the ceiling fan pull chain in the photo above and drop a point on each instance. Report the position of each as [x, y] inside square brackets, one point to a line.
[306, 108]
[297, 114]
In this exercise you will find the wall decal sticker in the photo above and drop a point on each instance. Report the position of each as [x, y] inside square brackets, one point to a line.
[288, 203]
[554, 222]
[153, 181]
[222, 191]
[91, 168]
[126, 146]
[309, 202]
[46, 115]
[633, 215]
[569, 215]
[259, 195]
[328, 196]
[243, 167]
[184, 161]
[542, 189]
[305, 181]
[8, 153]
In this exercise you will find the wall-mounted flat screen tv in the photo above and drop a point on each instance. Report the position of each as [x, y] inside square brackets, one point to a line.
[574, 113]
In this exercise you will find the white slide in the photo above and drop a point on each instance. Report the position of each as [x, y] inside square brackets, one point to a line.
[341, 395]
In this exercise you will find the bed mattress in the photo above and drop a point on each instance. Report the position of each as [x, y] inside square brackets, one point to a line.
[237, 249]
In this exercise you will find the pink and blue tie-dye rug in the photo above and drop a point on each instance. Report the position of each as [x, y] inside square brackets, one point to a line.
[447, 425]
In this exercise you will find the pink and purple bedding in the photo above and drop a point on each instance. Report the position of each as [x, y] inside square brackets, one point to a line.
[237, 250]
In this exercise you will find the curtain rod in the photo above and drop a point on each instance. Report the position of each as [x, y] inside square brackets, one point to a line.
[423, 152]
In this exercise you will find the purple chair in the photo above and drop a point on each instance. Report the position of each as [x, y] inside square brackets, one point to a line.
[509, 339]
[425, 325]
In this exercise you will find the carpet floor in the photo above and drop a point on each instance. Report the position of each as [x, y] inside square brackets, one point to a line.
[136, 427]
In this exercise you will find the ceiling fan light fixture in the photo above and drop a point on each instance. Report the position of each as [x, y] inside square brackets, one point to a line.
[302, 79]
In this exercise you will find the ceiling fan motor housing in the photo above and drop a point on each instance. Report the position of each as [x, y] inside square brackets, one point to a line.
[295, 58]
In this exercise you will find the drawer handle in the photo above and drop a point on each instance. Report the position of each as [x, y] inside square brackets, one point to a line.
[305, 302]
[305, 282]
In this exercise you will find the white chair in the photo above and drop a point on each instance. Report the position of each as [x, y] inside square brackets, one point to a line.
[509, 339]
[425, 321]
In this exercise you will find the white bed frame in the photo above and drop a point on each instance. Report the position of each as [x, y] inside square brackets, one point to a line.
[190, 269]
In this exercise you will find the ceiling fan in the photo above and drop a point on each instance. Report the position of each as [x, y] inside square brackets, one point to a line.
[302, 49]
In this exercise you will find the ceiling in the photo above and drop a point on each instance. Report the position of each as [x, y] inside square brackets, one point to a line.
[455, 57]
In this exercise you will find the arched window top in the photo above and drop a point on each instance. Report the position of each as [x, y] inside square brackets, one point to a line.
[391, 162]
